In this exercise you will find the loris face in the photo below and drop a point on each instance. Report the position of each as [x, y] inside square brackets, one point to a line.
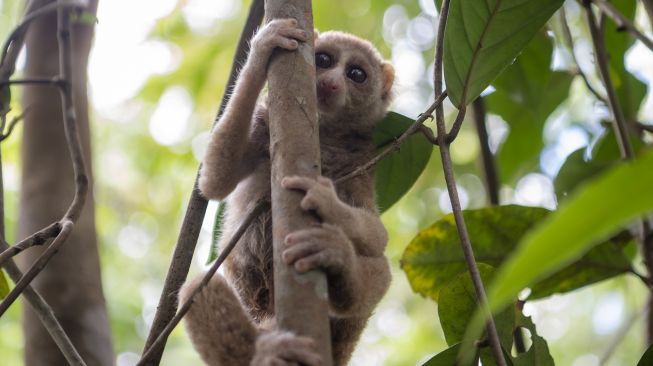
[353, 80]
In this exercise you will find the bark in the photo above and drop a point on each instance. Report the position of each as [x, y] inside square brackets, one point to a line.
[71, 282]
[301, 301]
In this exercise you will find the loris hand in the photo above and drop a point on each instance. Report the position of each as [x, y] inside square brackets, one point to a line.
[281, 33]
[279, 348]
[324, 246]
[320, 197]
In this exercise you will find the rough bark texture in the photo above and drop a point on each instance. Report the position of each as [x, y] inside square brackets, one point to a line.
[71, 282]
[301, 301]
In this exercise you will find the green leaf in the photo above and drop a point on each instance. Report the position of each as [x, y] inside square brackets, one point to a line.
[605, 205]
[483, 37]
[527, 92]
[4, 285]
[575, 171]
[214, 250]
[538, 354]
[447, 357]
[434, 257]
[456, 305]
[398, 171]
[646, 360]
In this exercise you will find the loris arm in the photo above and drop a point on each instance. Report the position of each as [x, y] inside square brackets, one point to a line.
[231, 152]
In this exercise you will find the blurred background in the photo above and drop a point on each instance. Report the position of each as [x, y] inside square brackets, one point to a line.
[157, 73]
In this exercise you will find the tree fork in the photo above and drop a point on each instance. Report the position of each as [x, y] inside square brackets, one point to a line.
[301, 300]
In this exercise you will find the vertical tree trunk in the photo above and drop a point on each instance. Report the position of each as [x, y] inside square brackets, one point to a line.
[301, 301]
[71, 282]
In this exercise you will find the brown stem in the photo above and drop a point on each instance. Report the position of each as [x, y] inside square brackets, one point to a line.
[622, 22]
[43, 311]
[569, 40]
[447, 165]
[38, 238]
[489, 165]
[190, 228]
[648, 5]
[75, 149]
[159, 341]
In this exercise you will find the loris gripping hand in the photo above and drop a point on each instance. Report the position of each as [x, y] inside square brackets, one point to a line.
[281, 33]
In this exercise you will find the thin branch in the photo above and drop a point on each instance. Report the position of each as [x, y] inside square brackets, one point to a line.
[427, 133]
[569, 40]
[45, 314]
[647, 281]
[622, 22]
[15, 38]
[644, 127]
[457, 124]
[489, 164]
[190, 228]
[159, 341]
[37, 267]
[36, 239]
[648, 6]
[396, 144]
[619, 125]
[77, 157]
[447, 165]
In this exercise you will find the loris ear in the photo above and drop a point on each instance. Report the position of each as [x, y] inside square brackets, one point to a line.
[316, 33]
[388, 77]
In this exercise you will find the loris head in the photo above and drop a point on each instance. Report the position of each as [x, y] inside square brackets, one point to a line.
[353, 81]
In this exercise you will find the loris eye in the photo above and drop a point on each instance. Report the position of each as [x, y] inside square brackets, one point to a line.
[323, 60]
[356, 74]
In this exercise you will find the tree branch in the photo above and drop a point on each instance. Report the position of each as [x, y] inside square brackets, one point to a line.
[190, 228]
[38, 238]
[567, 37]
[622, 21]
[447, 165]
[155, 349]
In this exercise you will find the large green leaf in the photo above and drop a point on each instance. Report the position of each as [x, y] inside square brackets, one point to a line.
[574, 171]
[434, 257]
[527, 92]
[483, 37]
[457, 303]
[602, 207]
[397, 172]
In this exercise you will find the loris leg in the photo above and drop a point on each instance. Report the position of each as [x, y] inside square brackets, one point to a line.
[224, 335]
[217, 324]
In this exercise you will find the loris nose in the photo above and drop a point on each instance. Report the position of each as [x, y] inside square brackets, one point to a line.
[328, 85]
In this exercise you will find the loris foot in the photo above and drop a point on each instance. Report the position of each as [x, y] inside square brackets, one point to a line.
[320, 196]
[279, 348]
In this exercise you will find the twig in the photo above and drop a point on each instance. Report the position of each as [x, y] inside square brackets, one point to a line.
[647, 281]
[648, 5]
[159, 341]
[489, 165]
[38, 238]
[622, 22]
[568, 38]
[644, 127]
[396, 144]
[15, 38]
[465, 242]
[427, 133]
[197, 204]
[45, 314]
[619, 125]
[75, 148]
[37, 267]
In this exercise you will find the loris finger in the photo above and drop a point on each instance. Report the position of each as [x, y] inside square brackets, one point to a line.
[298, 349]
[296, 33]
[300, 250]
